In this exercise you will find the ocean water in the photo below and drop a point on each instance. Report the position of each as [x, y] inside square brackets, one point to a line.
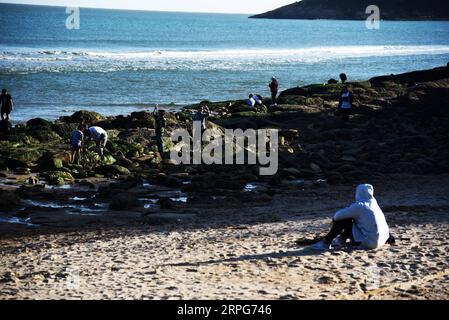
[122, 61]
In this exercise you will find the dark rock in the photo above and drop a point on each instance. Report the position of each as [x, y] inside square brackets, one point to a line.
[168, 181]
[64, 129]
[124, 201]
[111, 170]
[335, 178]
[123, 161]
[9, 201]
[109, 159]
[58, 177]
[275, 180]
[27, 155]
[86, 183]
[22, 214]
[89, 117]
[51, 161]
[346, 168]
[44, 134]
[21, 138]
[12, 163]
[415, 76]
[22, 170]
[5, 126]
[38, 122]
[166, 203]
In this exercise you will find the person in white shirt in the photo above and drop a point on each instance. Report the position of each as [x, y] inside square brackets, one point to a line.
[345, 103]
[251, 101]
[363, 223]
[99, 135]
[258, 99]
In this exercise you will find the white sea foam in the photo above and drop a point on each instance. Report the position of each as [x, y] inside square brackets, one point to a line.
[301, 54]
[110, 61]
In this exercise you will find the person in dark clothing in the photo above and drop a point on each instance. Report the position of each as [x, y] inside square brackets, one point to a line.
[342, 228]
[201, 117]
[274, 87]
[161, 124]
[345, 104]
[7, 105]
[77, 144]
[343, 78]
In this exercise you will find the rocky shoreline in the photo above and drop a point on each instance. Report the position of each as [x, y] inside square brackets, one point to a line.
[203, 224]
[399, 126]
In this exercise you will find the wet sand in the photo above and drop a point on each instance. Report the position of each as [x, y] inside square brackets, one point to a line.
[236, 250]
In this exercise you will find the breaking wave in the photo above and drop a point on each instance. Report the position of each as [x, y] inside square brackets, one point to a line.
[34, 61]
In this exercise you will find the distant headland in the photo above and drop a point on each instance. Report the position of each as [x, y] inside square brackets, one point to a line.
[355, 10]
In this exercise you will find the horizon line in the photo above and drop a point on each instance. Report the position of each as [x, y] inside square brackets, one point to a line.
[124, 9]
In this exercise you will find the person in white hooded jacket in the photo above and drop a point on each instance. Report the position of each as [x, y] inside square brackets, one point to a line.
[363, 223]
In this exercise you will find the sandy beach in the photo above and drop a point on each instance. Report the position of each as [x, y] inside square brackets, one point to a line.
[136, 226]
[185, 150]
[239, 251]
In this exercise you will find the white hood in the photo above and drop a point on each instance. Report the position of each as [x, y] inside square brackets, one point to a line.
[370, 226]
[364, 192]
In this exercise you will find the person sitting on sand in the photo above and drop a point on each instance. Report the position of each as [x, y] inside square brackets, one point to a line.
[77, 144]
[363, 223]
[7, 105]
[345, 103]
[100, 136]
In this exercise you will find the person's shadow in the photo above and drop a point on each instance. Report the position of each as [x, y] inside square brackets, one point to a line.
[305, 251]
[274, 255]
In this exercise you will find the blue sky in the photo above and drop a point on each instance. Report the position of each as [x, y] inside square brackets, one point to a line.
[229, 6]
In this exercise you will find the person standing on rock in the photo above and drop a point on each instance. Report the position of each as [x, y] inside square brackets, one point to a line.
[7, 105]
[100, 136]
[161, 124]
[345, 104]
[200, 118]
[274, 88]
[77, 144]
[363, 223]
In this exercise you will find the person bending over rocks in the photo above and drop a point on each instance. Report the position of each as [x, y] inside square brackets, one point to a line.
[363, 223]
[7, 105]
[100, 136]
[254, 100]
[77, 144]
[251, 101]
